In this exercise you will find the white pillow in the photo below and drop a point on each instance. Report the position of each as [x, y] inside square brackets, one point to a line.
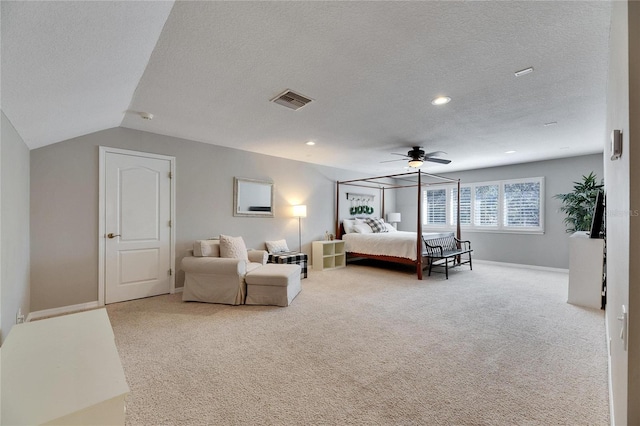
[362, 228]
[365, 224]
[277, 246]
[348, 225]
[233, 247]
[206, 248]
[390, 227]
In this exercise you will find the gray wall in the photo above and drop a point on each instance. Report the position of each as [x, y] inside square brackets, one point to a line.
[14, 218]
[623, 204]
[64, 205]
[550, 249]
[345, 204]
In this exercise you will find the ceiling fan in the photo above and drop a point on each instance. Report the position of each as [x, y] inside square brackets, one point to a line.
[417, 157]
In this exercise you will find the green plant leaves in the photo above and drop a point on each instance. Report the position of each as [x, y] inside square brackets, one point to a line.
[578, 205]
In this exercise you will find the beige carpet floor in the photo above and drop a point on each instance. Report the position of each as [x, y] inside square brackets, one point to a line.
[366, 345]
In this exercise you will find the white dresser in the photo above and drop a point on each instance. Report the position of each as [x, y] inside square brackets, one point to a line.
[63, 371]
[586, 258]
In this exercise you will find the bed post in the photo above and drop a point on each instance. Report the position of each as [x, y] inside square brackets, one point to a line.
[458, 222]
[382, 206]
[458, 214]
[338, 235]
[419, 230]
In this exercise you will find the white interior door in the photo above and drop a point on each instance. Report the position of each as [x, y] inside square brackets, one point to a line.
[137, 226]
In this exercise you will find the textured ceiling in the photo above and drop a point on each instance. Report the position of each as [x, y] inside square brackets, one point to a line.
[372, 69]
[71, 68]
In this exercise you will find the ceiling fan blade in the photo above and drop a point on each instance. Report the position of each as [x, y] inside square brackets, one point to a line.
[437, 160]
[391, 161]
[435, 154]
[418, 154]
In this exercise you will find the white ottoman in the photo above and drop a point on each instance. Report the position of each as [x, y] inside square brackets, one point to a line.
[273, 284]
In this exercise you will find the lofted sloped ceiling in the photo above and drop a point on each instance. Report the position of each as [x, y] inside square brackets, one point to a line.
[208, 70]
[71, 68]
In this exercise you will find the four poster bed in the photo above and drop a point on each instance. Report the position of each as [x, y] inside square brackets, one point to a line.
[398, 246]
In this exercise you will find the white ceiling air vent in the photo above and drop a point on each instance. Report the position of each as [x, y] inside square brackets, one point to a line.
[291, 99]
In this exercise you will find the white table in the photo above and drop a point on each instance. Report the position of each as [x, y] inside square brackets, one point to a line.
[63, 370]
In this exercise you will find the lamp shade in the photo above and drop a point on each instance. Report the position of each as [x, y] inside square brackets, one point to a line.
[300, 211]
[394, 217]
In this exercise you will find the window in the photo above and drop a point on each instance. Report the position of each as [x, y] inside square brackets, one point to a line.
[522, 205]
[465, 205]
[436, 206]
[486, 205]
[504, 206]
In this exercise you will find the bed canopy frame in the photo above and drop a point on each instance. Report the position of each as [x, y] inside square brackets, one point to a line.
[397, 181]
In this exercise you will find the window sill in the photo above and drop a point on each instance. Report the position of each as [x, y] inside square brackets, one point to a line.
[484, 231]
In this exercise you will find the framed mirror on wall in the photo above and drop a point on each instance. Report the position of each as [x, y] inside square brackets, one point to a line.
[252, 197]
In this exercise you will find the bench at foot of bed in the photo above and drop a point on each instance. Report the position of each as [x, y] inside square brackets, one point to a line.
[440, 251]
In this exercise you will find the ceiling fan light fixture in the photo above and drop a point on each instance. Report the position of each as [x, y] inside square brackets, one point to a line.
[441, 100]
[415, 163]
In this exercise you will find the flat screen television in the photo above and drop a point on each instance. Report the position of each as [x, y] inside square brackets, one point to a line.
[598, 213]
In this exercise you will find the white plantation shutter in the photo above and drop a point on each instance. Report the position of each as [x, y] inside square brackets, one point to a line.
[515, 205]
[486, 205]
[522, 204]
[435, 206]
[465, 205]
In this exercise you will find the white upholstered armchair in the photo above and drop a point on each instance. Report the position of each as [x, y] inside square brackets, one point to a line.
[215, 279]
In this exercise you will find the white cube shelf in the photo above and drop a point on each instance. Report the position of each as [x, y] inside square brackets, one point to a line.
[328, 255]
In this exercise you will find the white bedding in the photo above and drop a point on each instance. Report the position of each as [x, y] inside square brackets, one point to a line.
[398, 244]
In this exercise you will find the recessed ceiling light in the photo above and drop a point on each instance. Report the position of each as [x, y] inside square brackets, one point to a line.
[509, 152]
[551, 123]
[310, 143]
[524, 72]
[146, 116]
[441, 100]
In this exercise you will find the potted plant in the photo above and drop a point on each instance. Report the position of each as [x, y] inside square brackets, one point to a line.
[579, 204]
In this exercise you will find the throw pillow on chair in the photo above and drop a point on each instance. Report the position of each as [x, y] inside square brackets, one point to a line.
[233, 247]
[278, 246]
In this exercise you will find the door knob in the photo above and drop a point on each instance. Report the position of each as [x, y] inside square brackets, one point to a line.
[112, 235]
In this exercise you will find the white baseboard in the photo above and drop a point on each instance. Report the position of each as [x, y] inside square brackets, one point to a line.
[519, 265]
[72, 308]
[62, 310]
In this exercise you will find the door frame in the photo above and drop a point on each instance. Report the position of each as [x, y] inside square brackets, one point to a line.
[102, 231]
